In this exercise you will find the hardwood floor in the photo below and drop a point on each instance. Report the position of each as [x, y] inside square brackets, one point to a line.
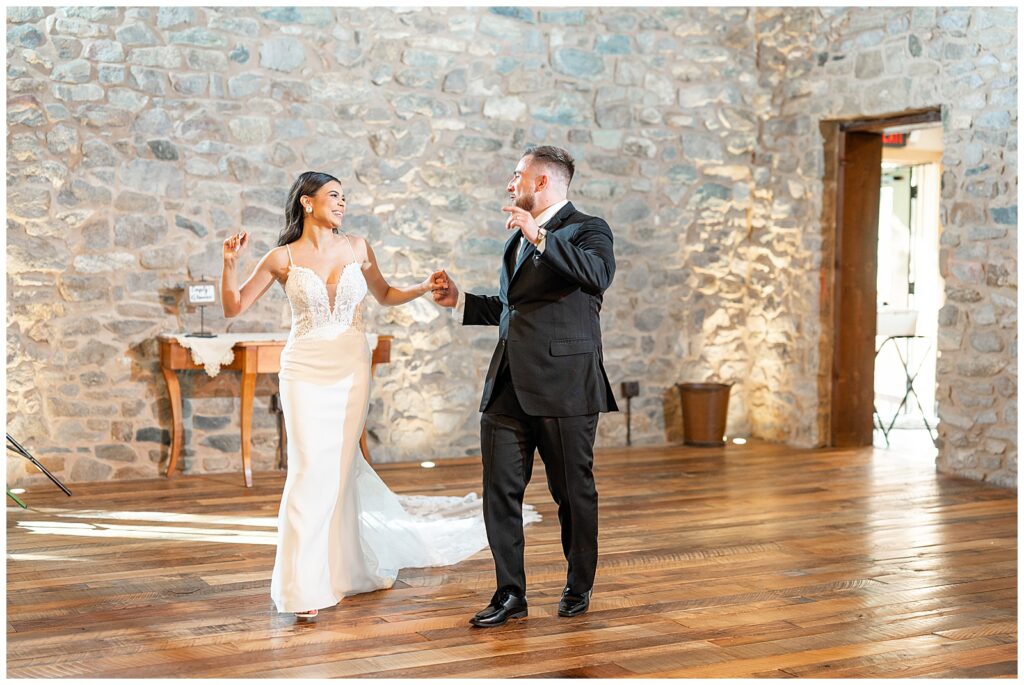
[753, 561]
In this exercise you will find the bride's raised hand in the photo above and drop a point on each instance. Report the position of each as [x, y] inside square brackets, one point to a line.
[436, 281]
[234, 245]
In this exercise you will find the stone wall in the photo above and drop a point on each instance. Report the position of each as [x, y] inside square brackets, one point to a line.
[139, 137]
[840, 64]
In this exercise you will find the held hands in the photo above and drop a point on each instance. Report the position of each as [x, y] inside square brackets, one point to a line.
[520, 219]
[447, 294]
[234, 245]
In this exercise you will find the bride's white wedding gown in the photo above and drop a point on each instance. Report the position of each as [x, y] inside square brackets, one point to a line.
[341, 530]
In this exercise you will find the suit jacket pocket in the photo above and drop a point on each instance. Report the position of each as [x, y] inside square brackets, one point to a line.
[567, 346]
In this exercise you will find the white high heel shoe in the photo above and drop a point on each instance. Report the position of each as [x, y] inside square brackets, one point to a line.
[306, 614]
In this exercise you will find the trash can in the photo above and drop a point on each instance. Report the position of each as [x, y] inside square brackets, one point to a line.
[705, 408]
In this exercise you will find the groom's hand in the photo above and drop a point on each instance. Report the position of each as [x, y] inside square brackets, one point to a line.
[448, 296]
[522, 220]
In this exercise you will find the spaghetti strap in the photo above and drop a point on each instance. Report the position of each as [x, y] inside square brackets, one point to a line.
[364, 265]
[289, 249]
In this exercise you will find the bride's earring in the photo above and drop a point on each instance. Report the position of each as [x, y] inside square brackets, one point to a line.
[309, 210]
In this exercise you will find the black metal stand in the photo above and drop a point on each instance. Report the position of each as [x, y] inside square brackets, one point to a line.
[14, 446]
[909, 387]
[630, 389]
[202, 326]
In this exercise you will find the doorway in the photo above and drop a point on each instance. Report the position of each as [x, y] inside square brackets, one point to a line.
[852, 202]
[910, 291]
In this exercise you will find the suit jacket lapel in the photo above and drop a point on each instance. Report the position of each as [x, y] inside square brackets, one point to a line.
[509, 256]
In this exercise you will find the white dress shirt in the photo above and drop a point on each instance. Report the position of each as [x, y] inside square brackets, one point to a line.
[544, 217]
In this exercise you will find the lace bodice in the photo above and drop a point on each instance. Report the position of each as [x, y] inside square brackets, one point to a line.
[312, 315]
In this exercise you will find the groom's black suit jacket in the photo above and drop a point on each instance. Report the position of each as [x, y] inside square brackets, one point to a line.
[548, 316]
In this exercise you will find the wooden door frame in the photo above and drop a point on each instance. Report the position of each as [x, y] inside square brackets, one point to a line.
[846, 376]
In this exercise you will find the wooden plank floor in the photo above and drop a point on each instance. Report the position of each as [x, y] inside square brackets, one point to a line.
[754, 561]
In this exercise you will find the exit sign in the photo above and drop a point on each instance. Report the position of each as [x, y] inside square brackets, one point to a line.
[894, 139]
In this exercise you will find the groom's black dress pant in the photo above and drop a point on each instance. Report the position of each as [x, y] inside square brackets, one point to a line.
[566, 446]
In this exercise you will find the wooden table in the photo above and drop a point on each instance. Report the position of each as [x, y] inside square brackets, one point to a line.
[251, 358]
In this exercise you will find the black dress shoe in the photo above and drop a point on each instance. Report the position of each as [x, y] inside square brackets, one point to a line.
[572, 604]
[499, 611]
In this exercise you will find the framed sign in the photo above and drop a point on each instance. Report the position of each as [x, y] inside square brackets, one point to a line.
[201, 293]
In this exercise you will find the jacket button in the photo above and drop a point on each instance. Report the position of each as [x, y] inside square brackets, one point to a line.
[511, 307]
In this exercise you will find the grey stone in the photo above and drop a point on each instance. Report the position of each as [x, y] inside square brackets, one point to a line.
[575, 62]
[315, 16]
[199, 36]
[239, 54]
[563, 17]
[87, 470]
[639, 147]
[92, 13]
[105, 51]
[162, 57]
[206, 60]
[109, 74]
[948, 315]
[454, 81]
[160, 257]
[416, 78]
[62, 140]
[193, 226]
[1004, 215]
[96, 153]
[25, 36]
[139, 230]
[25, 112]
[163, 149]
[169, 17]
[104, 263]
[612, 45]
[189, 84]
[116, 452]
[519, 13]
[995, 120]
[246, 85]
[251, 130]
[631, 210]
[148, 80]
[78, 93]
[238, 25]
[153, 122]
[155, 176]
[67, 48]
[987, 341]
[210, 422]
[101, 116]
[567, 109]
[124, 99]
[614, 116]
[20, 15]
[282, 53]
[230, 442]
[28, 202]
[136, 34]
[128, 201]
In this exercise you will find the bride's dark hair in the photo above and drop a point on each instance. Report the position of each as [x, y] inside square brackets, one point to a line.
[307, 183]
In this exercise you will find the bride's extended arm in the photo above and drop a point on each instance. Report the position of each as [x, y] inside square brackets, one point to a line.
[236, 300]
[387, 294]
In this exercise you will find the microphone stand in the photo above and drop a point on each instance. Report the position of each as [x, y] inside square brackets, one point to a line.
[14, 446]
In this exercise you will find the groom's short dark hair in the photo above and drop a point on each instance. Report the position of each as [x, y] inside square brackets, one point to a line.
[560, 160]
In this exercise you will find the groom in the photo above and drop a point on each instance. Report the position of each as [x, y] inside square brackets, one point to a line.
[546, 382]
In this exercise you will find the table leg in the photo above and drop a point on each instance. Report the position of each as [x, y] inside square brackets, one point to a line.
[248, 393]
[174, 392]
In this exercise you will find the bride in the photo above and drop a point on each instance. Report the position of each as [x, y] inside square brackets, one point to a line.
[341, 531]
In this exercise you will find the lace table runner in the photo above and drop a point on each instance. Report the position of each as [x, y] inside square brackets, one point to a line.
[213, 353]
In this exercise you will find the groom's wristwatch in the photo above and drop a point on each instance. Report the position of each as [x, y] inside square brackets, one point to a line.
[541, 235]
